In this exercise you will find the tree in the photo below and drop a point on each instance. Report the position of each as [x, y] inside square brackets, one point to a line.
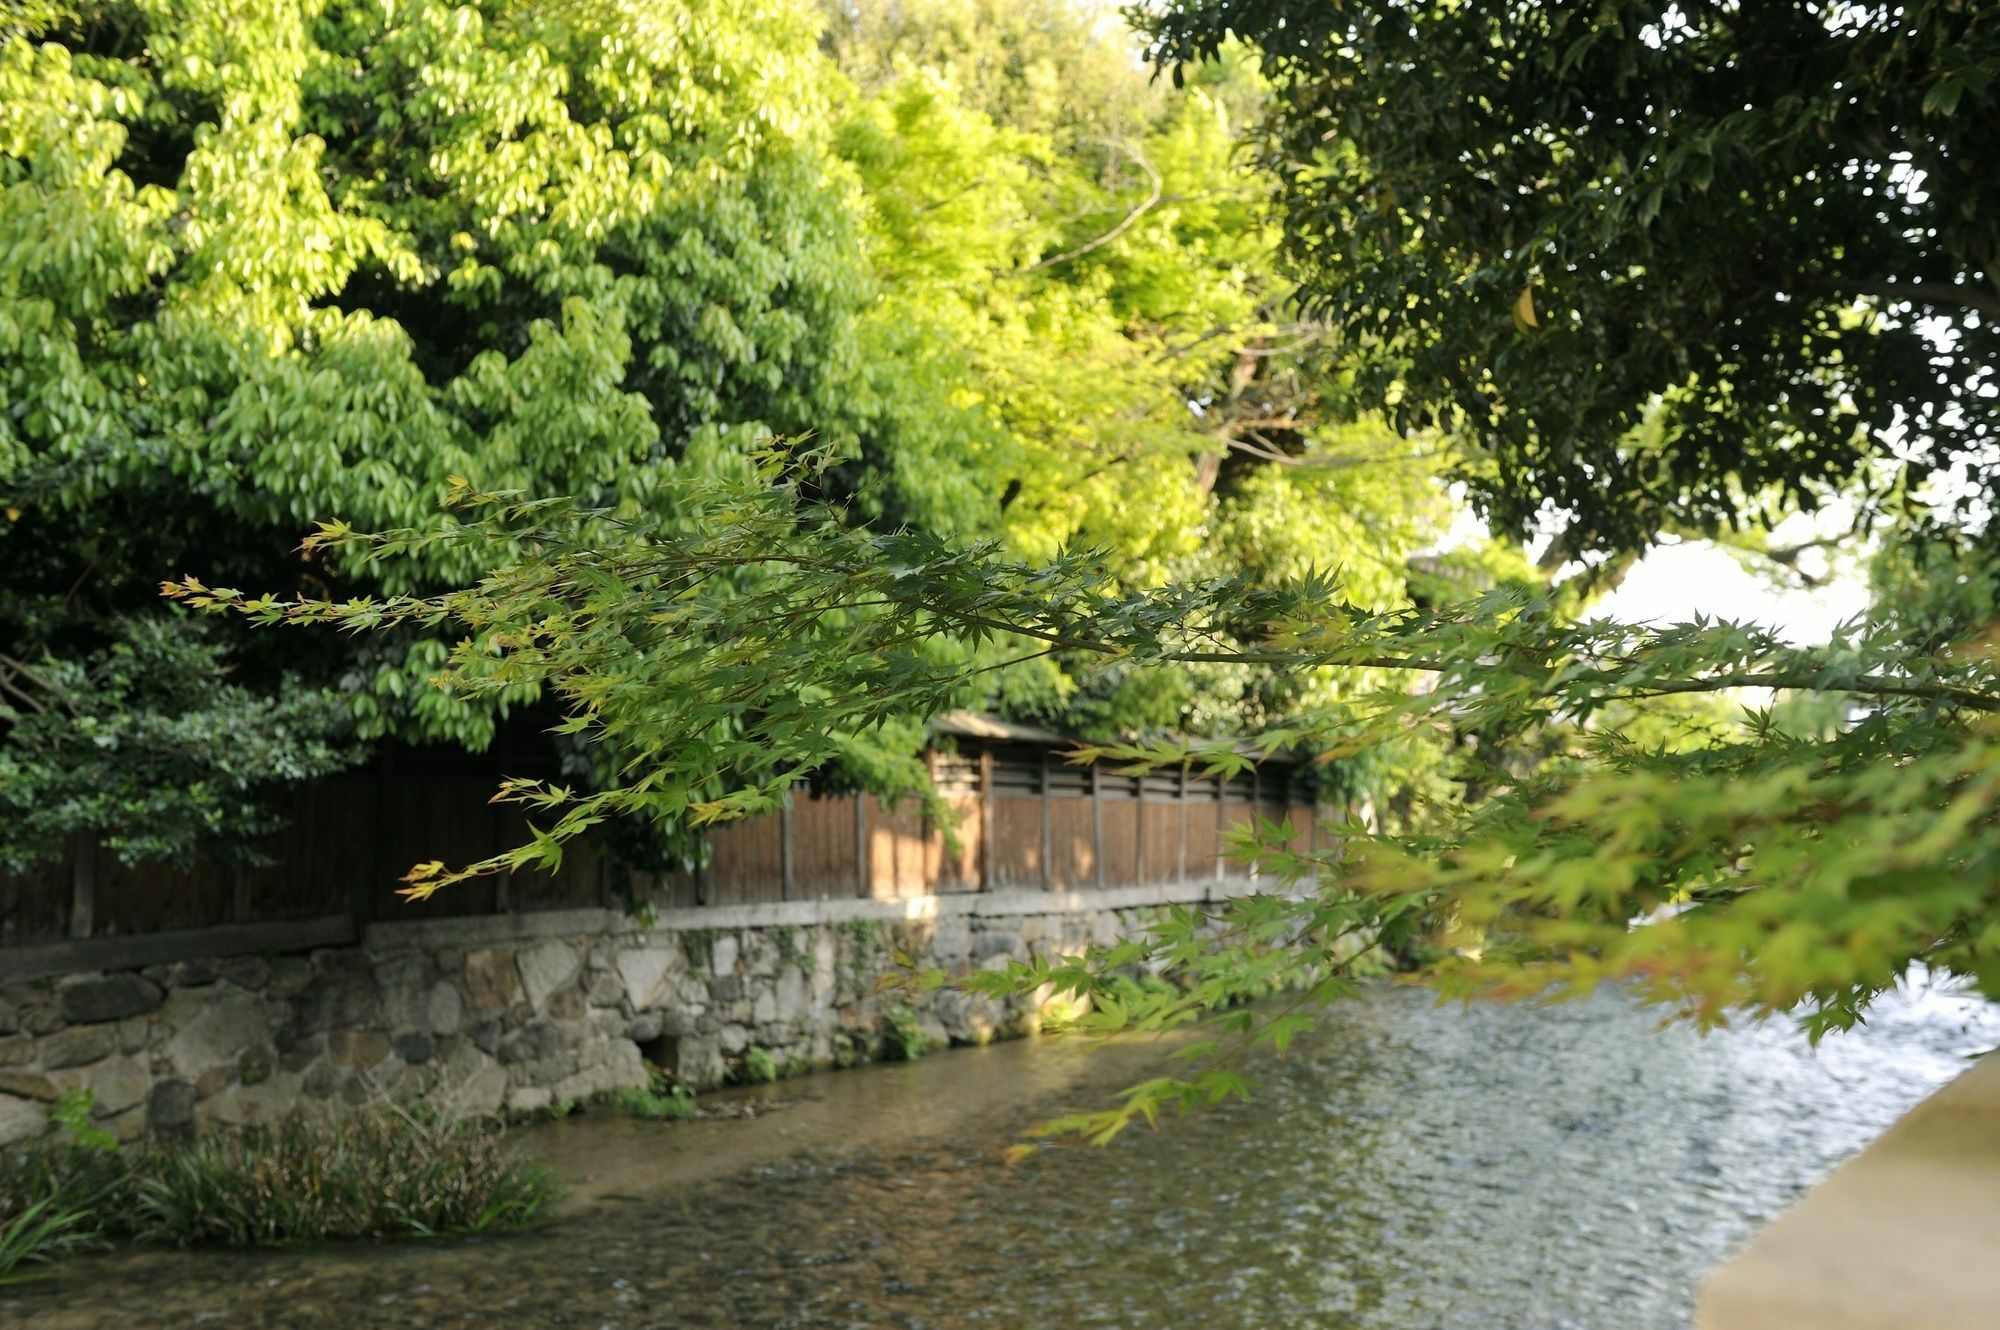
[1664, 263]
[268, 264]
[269, 268]
[1087, 264]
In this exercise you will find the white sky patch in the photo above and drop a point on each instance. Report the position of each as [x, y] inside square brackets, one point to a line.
[1674, 583]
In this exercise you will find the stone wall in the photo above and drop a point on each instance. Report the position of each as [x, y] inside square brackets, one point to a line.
[516, 1013]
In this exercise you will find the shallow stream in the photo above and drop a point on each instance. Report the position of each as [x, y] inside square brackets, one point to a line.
[1406, 1167]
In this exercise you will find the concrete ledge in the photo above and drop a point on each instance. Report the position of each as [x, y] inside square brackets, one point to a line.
[485, 929]
[143, 949]
[1905, 1234]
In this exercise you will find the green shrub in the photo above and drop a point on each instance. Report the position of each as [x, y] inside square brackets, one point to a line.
[58, 1195]
[661, 1098]
[58, 1198]
[373, 1174]
[906, 1036]
[379, 1173]
[759, 1065]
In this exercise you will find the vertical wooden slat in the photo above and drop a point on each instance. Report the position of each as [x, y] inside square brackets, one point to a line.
[865, 886]
[1048, 871]
[361, 891]
[240, 903]
[986, 878]
[1221, 822]
[83, 886]
[1097, 825]
[788, 871]
[1139, 851]
[1256, 804]
[503, 885]
[1180, 869]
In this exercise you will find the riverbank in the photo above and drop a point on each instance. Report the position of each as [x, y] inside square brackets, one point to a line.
[523, 1013]
[1499, 1167]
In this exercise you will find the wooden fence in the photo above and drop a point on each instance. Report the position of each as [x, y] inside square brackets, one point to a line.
[1026, 820]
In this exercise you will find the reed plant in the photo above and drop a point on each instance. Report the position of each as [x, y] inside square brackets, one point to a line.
[382, 1172]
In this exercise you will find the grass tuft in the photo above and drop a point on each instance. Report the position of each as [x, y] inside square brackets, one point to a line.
[660, 1099]
[380, 1173]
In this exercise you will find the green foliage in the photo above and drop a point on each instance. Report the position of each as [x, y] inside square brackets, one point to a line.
[794, 947]
[266, 267]
[262, 265]
[71, 1115]
[660, 1099]
[373, 1174]
[56, 1193]
[758, 1065]
[1718, 865]
[1659, 276]
[907, 1041]
[747, 672]
[145, 747]
[1085, 264]
[38, 1231]
[379, 1173]
[697, 944]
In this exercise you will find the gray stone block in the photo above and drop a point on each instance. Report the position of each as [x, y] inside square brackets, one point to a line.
[358, 1048]
[246, 971]
[114, 1085]
[532, 1042]
[489, 978]
[444, 1009]
[109, 997]
[485, 1035]
[214, 1026]
[546, 969]
[20, 1120]
[79, 1046]
[414, 1047]
[170, 1105]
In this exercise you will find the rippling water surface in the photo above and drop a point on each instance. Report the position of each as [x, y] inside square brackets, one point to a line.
[1406, 1167]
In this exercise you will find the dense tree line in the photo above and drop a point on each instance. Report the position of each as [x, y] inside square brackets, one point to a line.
[266, 266]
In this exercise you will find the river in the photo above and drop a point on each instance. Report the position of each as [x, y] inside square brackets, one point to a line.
[1406, 1167]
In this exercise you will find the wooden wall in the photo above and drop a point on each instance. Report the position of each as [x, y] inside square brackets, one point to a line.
[1021, 818]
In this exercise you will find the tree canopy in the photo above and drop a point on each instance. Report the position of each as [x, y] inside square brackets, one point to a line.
[277, 265]
[1663, 264]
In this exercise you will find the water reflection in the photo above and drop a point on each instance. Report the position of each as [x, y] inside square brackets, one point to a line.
[1406, 1167]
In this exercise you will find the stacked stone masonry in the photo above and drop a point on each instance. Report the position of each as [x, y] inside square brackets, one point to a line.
[505, 1014]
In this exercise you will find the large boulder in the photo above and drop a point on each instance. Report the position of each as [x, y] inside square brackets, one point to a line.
[215, 1026]
[170, 1105]
[546, 969]
[444, 1009]
[80, 1046]
[489, 978]
[115, 1084]
[110, 997]
[470, 1083]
